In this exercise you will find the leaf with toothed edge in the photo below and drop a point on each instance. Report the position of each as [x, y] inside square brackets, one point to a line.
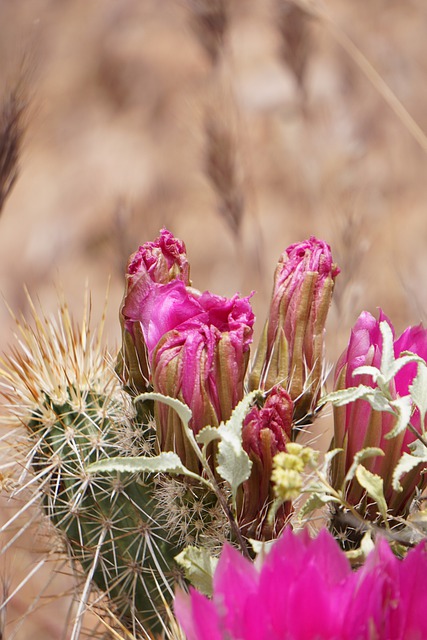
[199, 567]
[234, 464]
[368, 452]
[374, 486]
[166, 462]
[409, 461]
[418, 390]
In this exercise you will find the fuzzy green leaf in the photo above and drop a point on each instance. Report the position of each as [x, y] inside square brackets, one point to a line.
[418, 390]
[360, 554]
[407, 462]
[166, 462]
[368, 370]
[207, 435]
[234, 464]
[182, 410]
[387, 355]
[418, 449]
[369, 452]
[239, 412]
[403, 409]
[330, 455]
[390, 365]
[374, 396]
[199, 568]
[374, 486]
[345, 396]
[315, 501]
[378, 401]
[261, 547]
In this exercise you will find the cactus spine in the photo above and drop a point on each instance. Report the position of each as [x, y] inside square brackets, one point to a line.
[118, 527]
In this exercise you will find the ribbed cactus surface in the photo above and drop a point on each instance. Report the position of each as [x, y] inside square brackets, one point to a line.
[60, 384]
[110, 522]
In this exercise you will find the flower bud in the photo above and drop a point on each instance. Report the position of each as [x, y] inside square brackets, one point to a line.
[266, 431]
[197, 349]
[292, 345]
[155, 263]
[358, 426]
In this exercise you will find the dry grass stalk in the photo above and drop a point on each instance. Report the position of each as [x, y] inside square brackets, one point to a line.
[350, 246]
[295, 44]
[210, 20]
[223, 170]
[12, 128]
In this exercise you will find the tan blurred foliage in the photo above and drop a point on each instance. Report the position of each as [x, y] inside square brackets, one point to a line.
[241, 125]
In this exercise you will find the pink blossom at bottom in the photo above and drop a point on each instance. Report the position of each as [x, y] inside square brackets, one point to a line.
[306, 590]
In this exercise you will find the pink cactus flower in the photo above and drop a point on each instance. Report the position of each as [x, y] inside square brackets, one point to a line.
[357, 425]
[383, 600]
[292, 347]
[163, 260]
[155, 263]
[197, 347]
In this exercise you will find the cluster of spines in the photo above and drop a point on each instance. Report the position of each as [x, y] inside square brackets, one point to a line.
[109, 521]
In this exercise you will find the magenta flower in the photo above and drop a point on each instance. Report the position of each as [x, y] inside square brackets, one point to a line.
[155, 263]
[265, 432]
[292, 347]
[163, 260]
[357, 425]
[197, 347]
[391, 596]
[385, 599]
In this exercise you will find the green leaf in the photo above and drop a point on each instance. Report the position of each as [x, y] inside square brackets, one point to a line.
[378, 400]
[166, 462]
[315, 501]
[387, 355]
[402, 362]
[182, 410]
[239, 412]
[361, 455]
[418, 448]
[406, 463]
[360, 554]
[367, 370]
[234, 464]
[199, 568]
[403, 409]
[330, 455]
[345, 396]
[418, 390]
[375, 396]
[261, 547]
[207, 435]
[374, 486]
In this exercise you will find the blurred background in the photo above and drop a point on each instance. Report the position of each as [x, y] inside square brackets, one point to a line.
[241, 125]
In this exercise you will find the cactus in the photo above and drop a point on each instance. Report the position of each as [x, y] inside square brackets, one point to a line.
[118, 527]
[107, 520]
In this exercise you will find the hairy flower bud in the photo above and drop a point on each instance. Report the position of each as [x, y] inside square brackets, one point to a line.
[155, 263]
[358, 426]
[266, 431]
[292, 345]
